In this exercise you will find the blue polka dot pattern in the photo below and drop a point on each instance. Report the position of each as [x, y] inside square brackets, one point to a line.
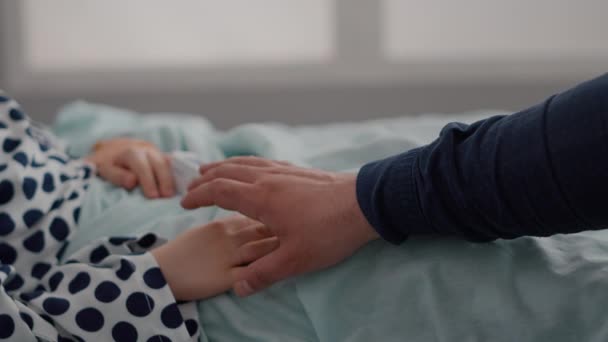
[98, 254]
[61, 250]
[43, 147]
[16, 114]
[80, 282]
[87, 172]
[31, 217]
[27, 319]
[48, 183]
[57, 204]
[124, 332]
[6, 269]
[140, 304]
[55, 280]
[117, 241]
[171, 317]
[192, 326]
[47, 318]
[78, 338]
[158, 338]
[107, 292]
[126, 269]
[10, 145]
[7, 191]
[59, 229]
[35, 242]
[37, 165]
[7, 225]
[55, 306]
[29, 186]
[154, 278]
[8, 254]
[73, 196]
[76, 215]
[40, 269]
[59, 160]
[14, 284]
[21, 158]
[8, 326]
[90, 319]
[147, 241]
[28, 296]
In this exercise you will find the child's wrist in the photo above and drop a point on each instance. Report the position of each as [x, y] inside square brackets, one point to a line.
[163, 259]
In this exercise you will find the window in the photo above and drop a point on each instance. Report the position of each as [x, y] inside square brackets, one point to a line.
[111, 34]
[153, 44]
[494, 30]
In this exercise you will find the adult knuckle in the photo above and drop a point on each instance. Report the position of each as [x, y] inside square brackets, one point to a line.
[292, 264]
[261, 278]
[245, 255]
[217, 227]
[238, 159]
[264, 182]
[211, 174]
[131, 150]
[220, 188]
[216, 184]
[262, 229]
[222, 170]
[250, 158]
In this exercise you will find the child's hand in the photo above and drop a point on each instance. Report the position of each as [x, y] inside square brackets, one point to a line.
[128, 162]
[201, 262]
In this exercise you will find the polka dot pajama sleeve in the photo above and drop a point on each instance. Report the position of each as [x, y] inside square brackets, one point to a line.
[111, 290]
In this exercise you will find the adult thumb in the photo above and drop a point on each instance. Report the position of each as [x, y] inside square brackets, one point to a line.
[261, 273]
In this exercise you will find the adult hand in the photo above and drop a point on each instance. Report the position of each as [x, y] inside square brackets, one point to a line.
[128, 162]
[314, 214]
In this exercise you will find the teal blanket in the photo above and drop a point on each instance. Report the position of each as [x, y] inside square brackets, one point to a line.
[528, 289]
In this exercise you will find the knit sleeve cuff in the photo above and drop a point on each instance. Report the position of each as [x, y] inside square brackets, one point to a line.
[386, 193]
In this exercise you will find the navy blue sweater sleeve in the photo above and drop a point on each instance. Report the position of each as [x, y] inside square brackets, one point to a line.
[539, 172]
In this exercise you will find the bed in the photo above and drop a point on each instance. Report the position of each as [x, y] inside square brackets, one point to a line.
[439, 289]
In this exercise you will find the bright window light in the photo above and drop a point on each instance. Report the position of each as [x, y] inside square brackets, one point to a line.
[64, 35]
[494, 29]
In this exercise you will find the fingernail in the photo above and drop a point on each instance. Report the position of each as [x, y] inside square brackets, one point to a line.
[243, 288]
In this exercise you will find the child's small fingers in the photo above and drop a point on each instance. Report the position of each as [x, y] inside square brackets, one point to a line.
[252, 232]
[162, 173]
[137, 162]
[252, 251]
[118, 176]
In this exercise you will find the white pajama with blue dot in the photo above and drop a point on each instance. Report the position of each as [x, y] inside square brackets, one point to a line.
[111, 290]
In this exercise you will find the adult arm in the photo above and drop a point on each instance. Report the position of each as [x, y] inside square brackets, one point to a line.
[539, 172]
